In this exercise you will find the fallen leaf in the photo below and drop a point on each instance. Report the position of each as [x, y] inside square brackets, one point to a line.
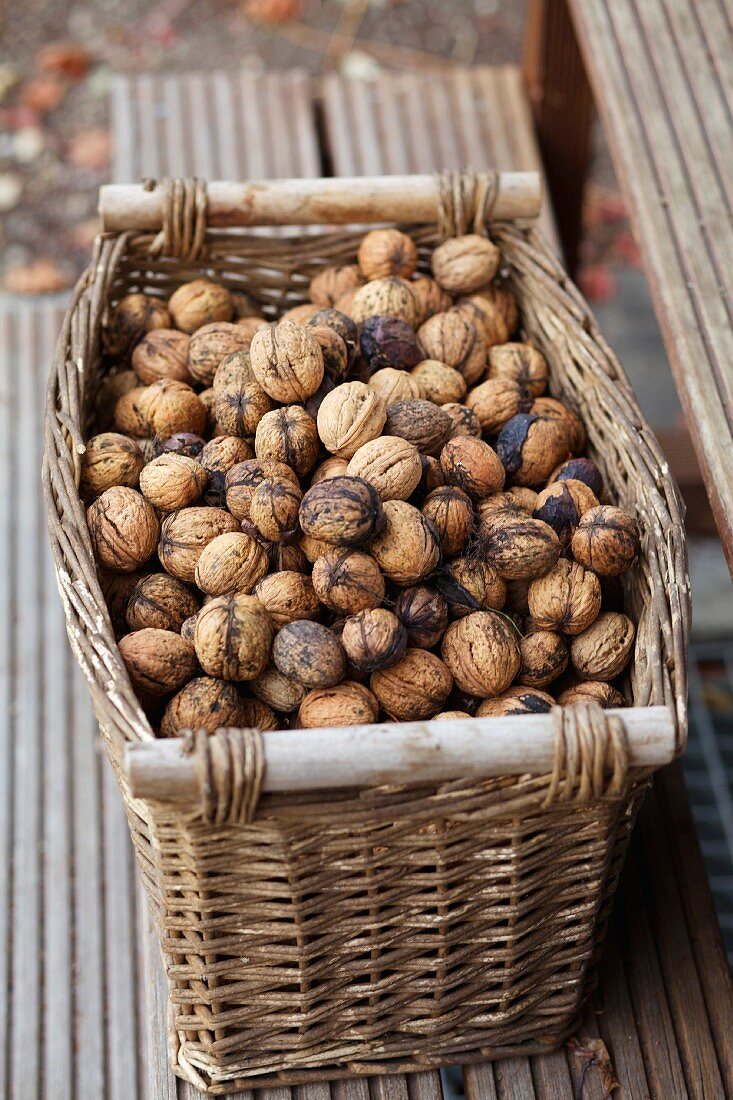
[42, 94]
[271, 11]
[597, 282]
[11, 188]
[90, 149]
[594, 1053]
[67, 59]
[41, 276]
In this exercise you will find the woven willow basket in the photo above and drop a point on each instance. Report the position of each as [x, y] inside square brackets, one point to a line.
[340, 902]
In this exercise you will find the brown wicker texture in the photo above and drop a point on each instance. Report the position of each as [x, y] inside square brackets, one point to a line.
[395, 928]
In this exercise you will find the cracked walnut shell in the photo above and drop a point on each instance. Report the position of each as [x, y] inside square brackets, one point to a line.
[603, 650]
[482, 652]
[233, 637]
[158, 662]
[287, 361]
[464, 264]
[124, 529]
[414, 688]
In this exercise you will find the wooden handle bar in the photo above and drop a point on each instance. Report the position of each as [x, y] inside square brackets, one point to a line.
[410, 200]
[409, 752]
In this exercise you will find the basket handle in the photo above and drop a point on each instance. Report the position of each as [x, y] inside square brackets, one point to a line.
[406, 200]
[173, 770]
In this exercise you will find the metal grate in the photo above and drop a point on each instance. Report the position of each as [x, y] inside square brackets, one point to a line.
[708, 768]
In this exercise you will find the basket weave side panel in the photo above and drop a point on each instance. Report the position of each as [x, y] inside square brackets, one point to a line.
[392, 926]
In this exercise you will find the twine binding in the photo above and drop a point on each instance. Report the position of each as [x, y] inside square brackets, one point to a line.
[466, 202]
[330, 933]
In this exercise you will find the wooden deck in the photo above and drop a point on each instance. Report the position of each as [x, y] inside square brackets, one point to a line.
[82, 1003]
[662, 82]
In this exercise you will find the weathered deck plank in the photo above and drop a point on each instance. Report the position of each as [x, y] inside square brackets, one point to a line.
[665, 96]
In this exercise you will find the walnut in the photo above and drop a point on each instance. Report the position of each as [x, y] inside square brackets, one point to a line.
[274, 509]
[473, 466]
[389, 342]
[240, 406]
[288, 596]
[438, 382]
[450, 716]
[132, 317]
[453, 339]
[451, 513]
[421, 423]
[309, 653]
[198, 303]
[188, 628]
[464, 264]
[336, 358]
[123, 527]
[184, 535]
[567, 598]
[204, 703]
[394, 385]
[424, 614]
[158, 662]
[414, 688]
[519, 547]
[257, 715]
[545, 656]
[494, 309]
[473, 585]
[430, 297]
[233, 637]
[350, 416]
[516, 700]
[128, 418]
[432, 475]
[508, 503]
[347, 580]
[278, 691]
[390, 464]
[111, 388]
[158, 600]
[342, 325]
[520, 363]
[117, 589]
[482, 652]
[389, 297]
[234, 369]
[166, 407]
[313, 548]
[288, 435]
[495, 402]
[173, 481]
[230, 562]
[548, 408]
[343, 511]
[187, 444]
[286, 557]
[346, 704]
[242, 479]
[384, 252]
[300, 314]
[465, 421]
[110, 459]
[330, 467]
[287, 361]
[589, 690]
[162, 353]
[407, 549]
[530, 447]
[248, 326]
[209, 345]
[606, 540]
[562, 505]
[603, 649]
[373, 639]
[217, 457]
[579, 469]
[329, 284]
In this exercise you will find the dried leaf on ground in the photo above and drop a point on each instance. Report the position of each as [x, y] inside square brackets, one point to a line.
[67, 59]
[594, 1053]
[271, 11]
[42, 276]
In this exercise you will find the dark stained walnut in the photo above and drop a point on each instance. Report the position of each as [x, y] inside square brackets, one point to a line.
[421, 423]
[341, 324]
[347, 581]
[519, 547]
[389, 342]
[516, 700]
[473, 466]
[158, 662]
[579, 469]
[129, 321]
[545, 656]
[204, 703]
[423, 612]
[530, 447]
[188, 444]
[606, 540]
[562, 505]
[160, 601]
[309, 653]
[336, 356]
[471, 584]
[343, 511]
[373, 639]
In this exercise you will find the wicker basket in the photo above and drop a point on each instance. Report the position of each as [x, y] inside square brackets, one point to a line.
[424, 894]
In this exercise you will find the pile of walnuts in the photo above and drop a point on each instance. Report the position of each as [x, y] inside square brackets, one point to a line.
[367, 508]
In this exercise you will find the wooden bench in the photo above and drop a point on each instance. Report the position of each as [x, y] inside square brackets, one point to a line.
[82, 999]
[661, 79]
